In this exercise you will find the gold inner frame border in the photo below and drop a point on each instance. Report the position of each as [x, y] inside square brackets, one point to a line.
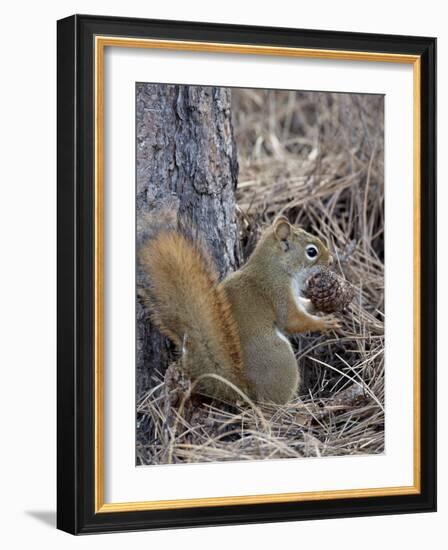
[100, 43]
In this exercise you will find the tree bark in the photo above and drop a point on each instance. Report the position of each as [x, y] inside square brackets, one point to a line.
[186, 154]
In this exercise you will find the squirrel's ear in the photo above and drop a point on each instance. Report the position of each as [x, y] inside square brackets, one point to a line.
[282, 228]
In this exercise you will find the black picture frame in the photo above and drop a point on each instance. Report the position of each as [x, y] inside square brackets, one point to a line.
[76, 260]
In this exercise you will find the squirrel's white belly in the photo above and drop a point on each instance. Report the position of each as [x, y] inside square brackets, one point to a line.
[282, 336]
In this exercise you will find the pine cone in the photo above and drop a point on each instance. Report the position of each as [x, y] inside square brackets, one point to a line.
[328, 292]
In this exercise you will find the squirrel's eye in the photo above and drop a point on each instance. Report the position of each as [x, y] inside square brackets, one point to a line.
[311, 251]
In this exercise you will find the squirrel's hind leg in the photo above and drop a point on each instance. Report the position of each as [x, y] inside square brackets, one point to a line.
[272, 369]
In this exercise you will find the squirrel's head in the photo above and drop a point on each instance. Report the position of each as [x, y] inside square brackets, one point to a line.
[293, 248]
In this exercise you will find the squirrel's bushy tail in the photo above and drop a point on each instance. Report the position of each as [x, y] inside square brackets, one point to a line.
[190, 307]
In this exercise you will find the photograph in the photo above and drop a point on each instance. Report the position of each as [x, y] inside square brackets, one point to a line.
[259, 274]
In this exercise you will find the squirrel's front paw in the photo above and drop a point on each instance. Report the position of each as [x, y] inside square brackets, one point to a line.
[329, 322]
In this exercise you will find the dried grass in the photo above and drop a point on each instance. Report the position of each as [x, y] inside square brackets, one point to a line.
[318, 159]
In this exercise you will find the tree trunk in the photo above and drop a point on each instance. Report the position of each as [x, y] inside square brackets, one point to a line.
[186, 154]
